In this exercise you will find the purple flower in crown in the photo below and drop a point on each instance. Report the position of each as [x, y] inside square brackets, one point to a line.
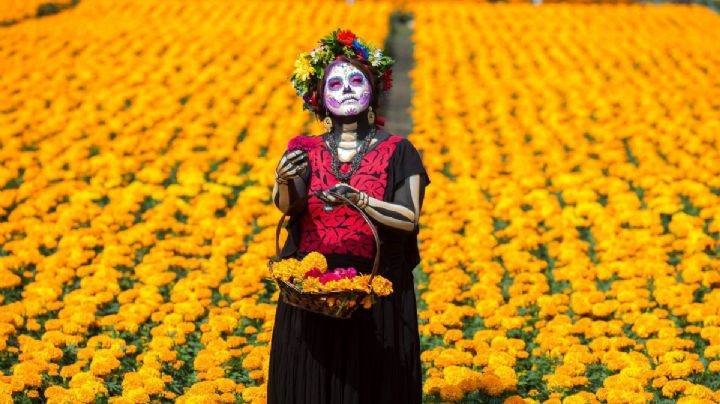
[309, 101]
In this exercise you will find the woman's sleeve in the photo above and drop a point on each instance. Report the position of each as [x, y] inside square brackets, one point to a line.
[409, 165]
[407, 179]
[407, 162]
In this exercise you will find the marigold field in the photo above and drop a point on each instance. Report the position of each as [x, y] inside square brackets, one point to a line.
[570, 237]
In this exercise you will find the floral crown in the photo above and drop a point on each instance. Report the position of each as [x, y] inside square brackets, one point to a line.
[310, 66]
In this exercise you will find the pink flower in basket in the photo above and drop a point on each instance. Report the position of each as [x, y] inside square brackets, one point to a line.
[337, 274]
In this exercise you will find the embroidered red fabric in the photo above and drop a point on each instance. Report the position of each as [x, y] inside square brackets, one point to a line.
[342, 230]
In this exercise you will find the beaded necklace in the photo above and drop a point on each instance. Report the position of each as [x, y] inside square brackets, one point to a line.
[354, 162]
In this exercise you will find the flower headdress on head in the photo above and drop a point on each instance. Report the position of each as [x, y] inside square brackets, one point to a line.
[310, 66]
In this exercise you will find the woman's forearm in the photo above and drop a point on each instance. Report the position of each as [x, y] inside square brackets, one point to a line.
[391, 214]
[286, 194]
[404, 212]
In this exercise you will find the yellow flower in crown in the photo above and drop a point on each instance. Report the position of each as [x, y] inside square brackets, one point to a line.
[303, 67]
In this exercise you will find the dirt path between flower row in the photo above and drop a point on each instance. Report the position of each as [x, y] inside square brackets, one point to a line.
[400, 47]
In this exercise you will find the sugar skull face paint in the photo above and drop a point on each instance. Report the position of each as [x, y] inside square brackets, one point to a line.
[347, 90]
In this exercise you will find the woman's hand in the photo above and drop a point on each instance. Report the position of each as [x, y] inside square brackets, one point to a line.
[354, 195]
[292, 165]
[287, 189]
[401, 214]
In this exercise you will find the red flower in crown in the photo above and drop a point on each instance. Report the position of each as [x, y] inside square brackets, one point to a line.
[387, 79]
[346, 37]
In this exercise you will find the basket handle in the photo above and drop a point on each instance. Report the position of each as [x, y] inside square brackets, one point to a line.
[376, 261]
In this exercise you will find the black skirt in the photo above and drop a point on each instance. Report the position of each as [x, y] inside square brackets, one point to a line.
[372, 357]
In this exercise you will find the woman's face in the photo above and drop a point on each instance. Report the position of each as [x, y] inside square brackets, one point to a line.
[347, 90]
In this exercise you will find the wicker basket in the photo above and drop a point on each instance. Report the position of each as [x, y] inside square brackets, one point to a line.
[337, 304]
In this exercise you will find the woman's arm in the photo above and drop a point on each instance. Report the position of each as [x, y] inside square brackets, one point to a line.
[403, 213]
[284, 195]
[290, 182]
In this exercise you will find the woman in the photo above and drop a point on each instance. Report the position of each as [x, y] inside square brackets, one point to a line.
[374, 356]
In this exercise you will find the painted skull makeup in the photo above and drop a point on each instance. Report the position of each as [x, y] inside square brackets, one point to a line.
[347, 90]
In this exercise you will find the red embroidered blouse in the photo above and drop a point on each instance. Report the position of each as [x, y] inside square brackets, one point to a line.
[342, 230]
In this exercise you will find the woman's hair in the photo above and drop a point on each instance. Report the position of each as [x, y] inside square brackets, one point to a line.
[364, 66]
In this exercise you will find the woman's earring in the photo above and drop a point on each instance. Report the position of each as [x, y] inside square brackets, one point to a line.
[327, 123]
[371, 116]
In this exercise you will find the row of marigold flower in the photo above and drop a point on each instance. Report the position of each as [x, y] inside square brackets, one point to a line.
[571, 241]
[541, 230]
[138, 160]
